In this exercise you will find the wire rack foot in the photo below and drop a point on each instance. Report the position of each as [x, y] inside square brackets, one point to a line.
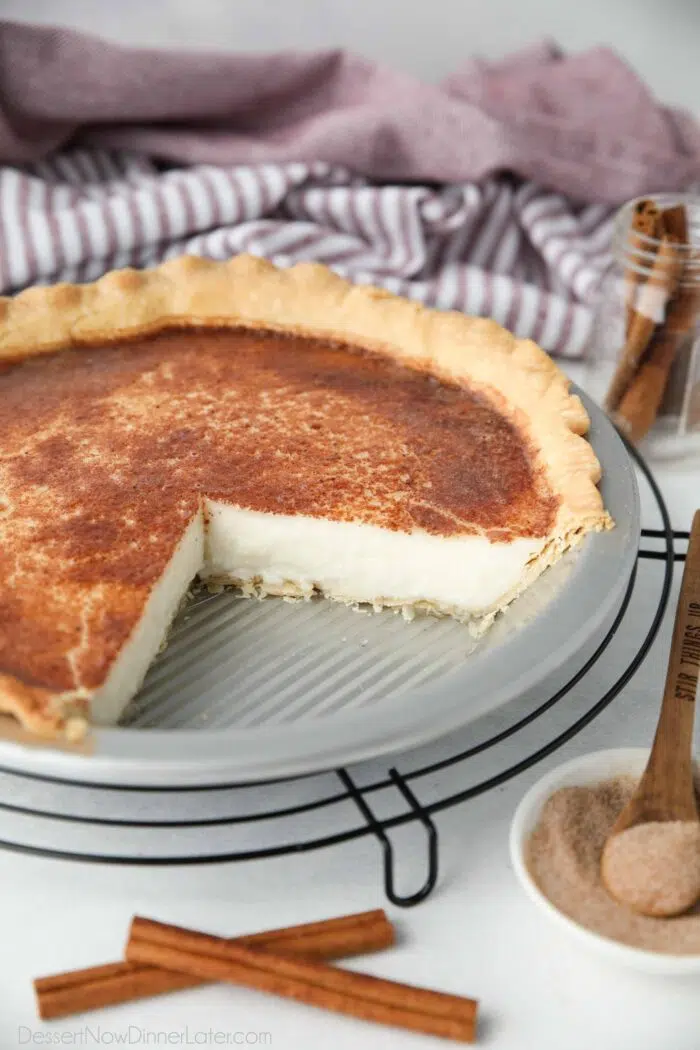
[400, 900]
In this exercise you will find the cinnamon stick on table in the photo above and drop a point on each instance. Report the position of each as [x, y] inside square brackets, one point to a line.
[80, 990]
[315, 983]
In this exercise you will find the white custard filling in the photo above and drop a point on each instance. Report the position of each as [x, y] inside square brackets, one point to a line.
[130, 667]
[363, 563]
[465, 576]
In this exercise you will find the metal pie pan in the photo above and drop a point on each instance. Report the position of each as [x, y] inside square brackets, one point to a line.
[249, 691]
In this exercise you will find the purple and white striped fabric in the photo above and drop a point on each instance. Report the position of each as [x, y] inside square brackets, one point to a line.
[528, 257]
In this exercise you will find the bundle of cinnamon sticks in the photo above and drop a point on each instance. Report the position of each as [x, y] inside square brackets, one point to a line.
[292, 962]
[663, 296]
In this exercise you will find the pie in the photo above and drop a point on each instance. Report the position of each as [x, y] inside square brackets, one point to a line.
[280, 430]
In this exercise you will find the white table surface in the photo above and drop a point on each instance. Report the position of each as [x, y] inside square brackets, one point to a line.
[477, 934]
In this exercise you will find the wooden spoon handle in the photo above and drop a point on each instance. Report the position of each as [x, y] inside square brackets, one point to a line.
[670, 765]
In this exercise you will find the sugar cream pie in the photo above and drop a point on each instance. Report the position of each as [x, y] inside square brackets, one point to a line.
[281, 430]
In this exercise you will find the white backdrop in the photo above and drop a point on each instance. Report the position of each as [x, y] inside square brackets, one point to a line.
[660, 38]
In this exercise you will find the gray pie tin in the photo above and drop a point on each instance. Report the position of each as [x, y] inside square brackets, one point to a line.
[249, 691]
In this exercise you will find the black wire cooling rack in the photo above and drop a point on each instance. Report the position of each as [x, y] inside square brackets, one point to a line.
[346, 792]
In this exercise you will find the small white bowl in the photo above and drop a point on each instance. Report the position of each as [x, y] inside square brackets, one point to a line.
[581, 772]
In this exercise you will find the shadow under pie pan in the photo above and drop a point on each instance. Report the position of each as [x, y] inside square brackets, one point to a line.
[256, 690]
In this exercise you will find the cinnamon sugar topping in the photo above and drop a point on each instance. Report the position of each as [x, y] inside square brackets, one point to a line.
[105, 454]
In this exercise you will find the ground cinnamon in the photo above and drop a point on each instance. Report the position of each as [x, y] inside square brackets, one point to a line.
[564, 855]
[654, 868]
[315, 983]
[99, 986]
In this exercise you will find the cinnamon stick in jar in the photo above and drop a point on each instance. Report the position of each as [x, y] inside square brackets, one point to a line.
[653, 246]
[639, 406]
[674, 223]
[640, 401]
[648, 313]
[644, 230]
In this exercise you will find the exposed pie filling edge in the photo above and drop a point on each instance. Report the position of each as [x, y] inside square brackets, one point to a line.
[514, 376]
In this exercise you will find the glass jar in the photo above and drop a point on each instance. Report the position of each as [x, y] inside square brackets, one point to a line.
[643, 363]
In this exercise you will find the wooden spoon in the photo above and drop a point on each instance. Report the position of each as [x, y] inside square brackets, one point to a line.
[651, 859]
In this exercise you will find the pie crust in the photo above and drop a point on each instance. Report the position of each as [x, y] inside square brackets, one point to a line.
[308, 300]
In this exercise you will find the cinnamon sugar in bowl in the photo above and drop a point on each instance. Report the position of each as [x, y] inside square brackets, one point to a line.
[556, 838]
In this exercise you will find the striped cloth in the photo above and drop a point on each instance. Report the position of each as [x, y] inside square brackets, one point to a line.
[505, 248]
